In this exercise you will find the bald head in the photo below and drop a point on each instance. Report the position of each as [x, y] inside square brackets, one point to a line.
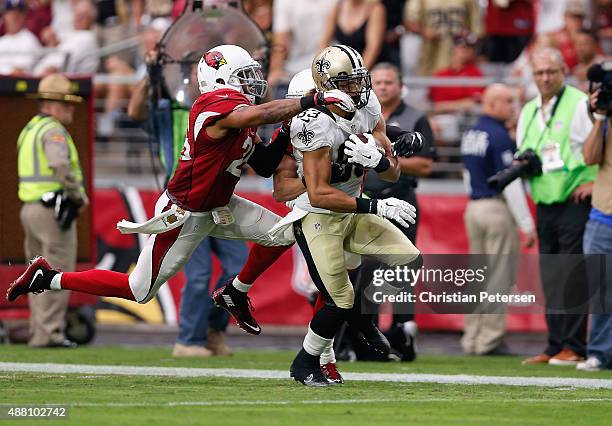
[498, 102]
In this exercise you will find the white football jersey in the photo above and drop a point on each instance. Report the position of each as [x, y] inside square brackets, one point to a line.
[314, 129]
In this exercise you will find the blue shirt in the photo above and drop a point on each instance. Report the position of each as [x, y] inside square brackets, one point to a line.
[599, 216]
[486, 149]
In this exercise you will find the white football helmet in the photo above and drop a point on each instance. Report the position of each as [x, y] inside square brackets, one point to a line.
[301, 84]
[231, 67]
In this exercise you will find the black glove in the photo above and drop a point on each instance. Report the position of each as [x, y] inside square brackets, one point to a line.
[407, 144]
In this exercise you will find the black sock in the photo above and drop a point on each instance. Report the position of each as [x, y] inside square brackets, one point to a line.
[328, 320]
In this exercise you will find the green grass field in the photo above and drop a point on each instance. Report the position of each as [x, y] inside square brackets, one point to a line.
[109, 399]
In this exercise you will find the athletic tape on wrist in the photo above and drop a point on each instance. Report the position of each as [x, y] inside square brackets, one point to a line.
[382, 165]
[366, 205]
[307, 102]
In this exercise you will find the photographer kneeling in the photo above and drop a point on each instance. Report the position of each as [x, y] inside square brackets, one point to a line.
[555, 125]
[598, 235]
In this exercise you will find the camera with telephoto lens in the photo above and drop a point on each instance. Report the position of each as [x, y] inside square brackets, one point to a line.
[529, 165]
[600, 77]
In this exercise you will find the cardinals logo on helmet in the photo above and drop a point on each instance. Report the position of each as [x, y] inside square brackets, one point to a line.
[214, 59]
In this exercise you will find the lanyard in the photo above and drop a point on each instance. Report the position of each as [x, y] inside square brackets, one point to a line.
[550, 120]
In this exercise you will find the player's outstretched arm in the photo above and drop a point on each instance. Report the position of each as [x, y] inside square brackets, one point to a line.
[283, 109]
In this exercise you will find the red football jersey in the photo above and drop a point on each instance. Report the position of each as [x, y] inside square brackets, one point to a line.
[210, 168]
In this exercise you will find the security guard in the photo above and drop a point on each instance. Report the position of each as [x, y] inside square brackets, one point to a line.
[51, 189]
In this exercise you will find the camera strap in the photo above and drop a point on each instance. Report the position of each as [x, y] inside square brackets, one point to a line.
[550, 120]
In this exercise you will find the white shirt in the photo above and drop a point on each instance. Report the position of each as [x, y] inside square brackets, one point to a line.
[550, 16]
[306, 21]
[580, 127]
[76, 53]
[20, 50]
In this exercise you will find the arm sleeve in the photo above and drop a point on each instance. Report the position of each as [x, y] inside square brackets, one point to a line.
[580, 128]
[514, 194]
[58, 158]
[310, 134]
[266, 158]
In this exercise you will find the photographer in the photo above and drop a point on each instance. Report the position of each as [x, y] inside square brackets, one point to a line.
[555, 125]
[598, 236]
[491, 220]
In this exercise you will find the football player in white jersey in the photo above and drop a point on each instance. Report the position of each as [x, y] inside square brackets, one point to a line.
[330, 218]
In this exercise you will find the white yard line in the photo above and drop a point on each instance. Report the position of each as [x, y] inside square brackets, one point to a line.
[459, 379]
[323, 401]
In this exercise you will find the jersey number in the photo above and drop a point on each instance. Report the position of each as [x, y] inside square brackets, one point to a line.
[235, 166]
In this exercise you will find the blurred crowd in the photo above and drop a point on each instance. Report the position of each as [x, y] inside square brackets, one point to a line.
[424, 38]
[428, 38]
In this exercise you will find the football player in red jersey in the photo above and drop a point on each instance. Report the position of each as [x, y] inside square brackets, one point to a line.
[199, 201]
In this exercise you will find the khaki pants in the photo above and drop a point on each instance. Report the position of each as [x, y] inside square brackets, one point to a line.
[491, 230]
[323, 238]
[43, 237]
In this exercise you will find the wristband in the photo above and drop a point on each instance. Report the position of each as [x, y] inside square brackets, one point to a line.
[383, 165]
[307, 102]
[600, 117]
[366, 205]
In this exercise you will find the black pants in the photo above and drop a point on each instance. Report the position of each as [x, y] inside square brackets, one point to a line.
[560, 231]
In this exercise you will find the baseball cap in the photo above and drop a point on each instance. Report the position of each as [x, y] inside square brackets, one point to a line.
[15, 5]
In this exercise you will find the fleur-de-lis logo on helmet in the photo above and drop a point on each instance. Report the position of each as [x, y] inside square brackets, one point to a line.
[305, 135]
[322, 65]
[214, 59]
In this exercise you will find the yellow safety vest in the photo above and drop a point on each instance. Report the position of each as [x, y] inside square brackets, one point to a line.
[35, 175]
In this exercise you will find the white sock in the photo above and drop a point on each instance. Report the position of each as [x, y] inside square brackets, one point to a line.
[328, 354]
[315, 344]
[56, 282]
[240, 286]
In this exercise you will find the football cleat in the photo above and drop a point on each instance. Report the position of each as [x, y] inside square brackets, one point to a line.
[238, 305]
[331, 372]
[373, 336]
[403, 339]
[308, 373]
[35, 279]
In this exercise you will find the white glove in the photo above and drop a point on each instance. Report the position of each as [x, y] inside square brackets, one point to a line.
[365, 154]
[335, 97]
[397, 210]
